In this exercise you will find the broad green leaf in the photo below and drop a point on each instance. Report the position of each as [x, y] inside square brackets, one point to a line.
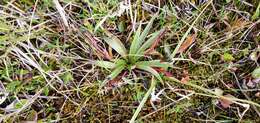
[146, 30]
[120, 62]
[105, 64]
[256, 73]
[116, 72]
[149, 42]
[135, 43]
[116, 44]
[150, 70]
[113, 74]
[154, 63]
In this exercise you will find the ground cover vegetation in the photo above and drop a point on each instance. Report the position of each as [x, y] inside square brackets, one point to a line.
[130, 61]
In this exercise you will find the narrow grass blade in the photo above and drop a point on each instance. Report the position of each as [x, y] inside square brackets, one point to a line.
[105, 64]
[116, 44]
[3, 38]
[100, 23]
[141, 105]
[150, 70]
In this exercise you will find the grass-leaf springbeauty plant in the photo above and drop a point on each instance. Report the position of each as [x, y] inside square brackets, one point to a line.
[134, 58]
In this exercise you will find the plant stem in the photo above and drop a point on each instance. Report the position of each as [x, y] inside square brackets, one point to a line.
[143, 100]
[212, 92]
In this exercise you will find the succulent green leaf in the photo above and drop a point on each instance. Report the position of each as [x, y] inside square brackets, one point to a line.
[146, 30]
[116, 72]
[135, 43]
[149, 42]
[105, 64]
[120, 62]
[154, 63]
[139, 38]
[150, 70]
[116, 44]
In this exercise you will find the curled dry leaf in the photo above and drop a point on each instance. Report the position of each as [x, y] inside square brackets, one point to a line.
[190, 39]
[161, 70]
[257, 94]
[226, 101]
[185, 77]
[250, 84]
